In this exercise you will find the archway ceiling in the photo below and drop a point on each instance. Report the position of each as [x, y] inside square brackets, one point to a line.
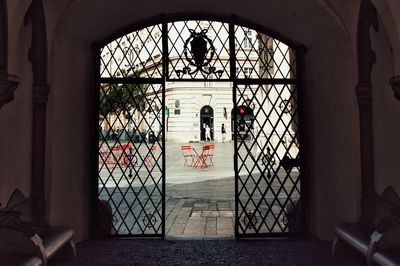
[305, 22]
[322, 23]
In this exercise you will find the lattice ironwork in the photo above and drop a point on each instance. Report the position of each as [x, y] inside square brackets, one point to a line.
[138, 53]
[130, 157]
[268, 193]
[135, 68]
[261, 56]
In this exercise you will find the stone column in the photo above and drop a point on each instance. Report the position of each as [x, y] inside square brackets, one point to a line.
[366, 59]
[8, 83]
[38, 57]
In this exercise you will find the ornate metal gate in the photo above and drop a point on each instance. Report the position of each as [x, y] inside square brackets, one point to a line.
[134, 71]
[131, 145]
[267, 150]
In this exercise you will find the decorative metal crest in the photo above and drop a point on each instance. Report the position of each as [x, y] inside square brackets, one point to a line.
[200, 55]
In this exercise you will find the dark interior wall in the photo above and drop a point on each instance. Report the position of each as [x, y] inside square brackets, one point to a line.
[16, 126]
[386, 112]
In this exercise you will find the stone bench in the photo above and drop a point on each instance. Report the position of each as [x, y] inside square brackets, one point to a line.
[378, 240]
[19, 259]
[387, 257]
[21, 243]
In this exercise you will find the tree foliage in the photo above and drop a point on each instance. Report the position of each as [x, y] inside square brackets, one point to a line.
[117, 98]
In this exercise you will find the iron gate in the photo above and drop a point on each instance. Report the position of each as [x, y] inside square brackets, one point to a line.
[267, 150]
[134, 72]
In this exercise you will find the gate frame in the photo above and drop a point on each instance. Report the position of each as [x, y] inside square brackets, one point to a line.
[232, 21]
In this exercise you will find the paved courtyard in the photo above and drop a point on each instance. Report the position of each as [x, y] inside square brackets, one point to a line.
[200, 209]
[199, 201]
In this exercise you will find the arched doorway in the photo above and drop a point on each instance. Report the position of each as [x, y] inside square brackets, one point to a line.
[206, 119]
[244, 121]
[135, 72]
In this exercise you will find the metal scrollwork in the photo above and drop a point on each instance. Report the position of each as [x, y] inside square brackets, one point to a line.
[149, 220]
[269, 161]
[250, 220]
[286, 106]
[130, 160]
[200, 54]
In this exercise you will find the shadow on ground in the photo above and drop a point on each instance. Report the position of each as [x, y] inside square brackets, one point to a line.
[211, 252]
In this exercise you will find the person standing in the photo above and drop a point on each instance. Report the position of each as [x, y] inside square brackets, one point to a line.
[223, 131]
[208, 133]
[256, 141]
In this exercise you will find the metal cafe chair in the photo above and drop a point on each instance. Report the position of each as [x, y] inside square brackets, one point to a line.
[104, 154]
[149, 159]
[210, 154]
[202, 157]
[187, 155]
[107, 154]
[118, 154]
[123, 159]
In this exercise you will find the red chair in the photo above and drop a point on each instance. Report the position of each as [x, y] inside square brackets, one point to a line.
[210, 154]
[187, 155]
[116, 154]
[103, 154]
[149, 159]
[106, 155]
[112, 155]
[201, 158]
[124, 159]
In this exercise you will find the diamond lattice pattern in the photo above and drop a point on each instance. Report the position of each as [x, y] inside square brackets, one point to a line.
[130, 158]
[136, 54]
[261, 56]
[267, 192]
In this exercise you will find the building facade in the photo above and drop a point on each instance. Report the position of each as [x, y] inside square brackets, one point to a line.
[206, 100]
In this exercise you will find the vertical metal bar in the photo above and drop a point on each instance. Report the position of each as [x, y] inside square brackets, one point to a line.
[93, 147]
[300, 52]
[232, 62]
[164, 35]
[95, 110]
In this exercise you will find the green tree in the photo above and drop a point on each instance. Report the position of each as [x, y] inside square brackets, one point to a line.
[117, 98]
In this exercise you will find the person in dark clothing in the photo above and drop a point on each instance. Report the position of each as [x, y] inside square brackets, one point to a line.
[223, 131]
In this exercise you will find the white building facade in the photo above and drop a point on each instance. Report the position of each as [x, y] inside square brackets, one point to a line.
[188, 96]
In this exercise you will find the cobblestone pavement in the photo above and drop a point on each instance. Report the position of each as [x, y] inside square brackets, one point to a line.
[199, 202]
[207, 252]
[200, 207]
